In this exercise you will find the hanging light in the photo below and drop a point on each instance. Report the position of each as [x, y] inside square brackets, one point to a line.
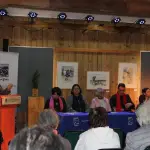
[62, 16]
[89, 18]
[3, 12]
[116, 20]
[32, 14]
[141, 21]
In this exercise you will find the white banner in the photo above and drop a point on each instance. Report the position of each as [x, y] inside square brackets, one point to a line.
[9, 70]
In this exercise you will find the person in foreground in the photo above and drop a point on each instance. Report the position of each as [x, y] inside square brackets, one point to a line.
[140, 138]
[100, 100]
[144, 97]
[76, 101]
[49, 120]
[99, 135]
[121, 101]
[36, 138]
[56, 102]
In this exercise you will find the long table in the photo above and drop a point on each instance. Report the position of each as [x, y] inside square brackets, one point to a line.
[79, 121]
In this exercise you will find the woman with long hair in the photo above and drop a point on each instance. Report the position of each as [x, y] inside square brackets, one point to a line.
[76, 102]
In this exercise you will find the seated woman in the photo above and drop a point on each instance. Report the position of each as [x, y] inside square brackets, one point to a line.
[56, 102]
[76, 101]
[100, 100]
[99, 136]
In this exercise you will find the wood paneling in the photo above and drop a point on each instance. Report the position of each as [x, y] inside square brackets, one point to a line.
[35, 106]
[123, 44]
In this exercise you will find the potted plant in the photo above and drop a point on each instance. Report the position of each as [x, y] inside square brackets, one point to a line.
[35, 83]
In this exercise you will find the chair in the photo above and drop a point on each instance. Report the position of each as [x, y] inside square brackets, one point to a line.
[73, 137]
[121, 137]
[147, 148]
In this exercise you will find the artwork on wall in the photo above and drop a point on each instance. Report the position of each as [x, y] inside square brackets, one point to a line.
[67, 74]
[9, 70]
[97, 79]
[127, 74]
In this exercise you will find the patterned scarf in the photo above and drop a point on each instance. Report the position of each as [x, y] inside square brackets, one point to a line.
[51, 104]
[118, 103]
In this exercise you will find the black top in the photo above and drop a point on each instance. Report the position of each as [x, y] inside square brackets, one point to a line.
[113, 100]
[57, 105]
[141, 98]
[78, 104]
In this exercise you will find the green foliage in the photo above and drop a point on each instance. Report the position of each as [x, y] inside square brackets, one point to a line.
[35, 79]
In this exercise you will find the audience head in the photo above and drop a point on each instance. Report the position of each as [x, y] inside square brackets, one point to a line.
[76, 90]
[100, 93]
[56, 92]
[48, 119]
[121, 88]
[36, 138]
[143, 114]
[98, 117]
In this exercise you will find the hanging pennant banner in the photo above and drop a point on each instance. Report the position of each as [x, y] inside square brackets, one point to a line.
[9, 70]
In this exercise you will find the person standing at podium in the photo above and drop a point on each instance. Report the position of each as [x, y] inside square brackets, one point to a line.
[56, 102]
[76, 102]
[121, 101]
[7, 90]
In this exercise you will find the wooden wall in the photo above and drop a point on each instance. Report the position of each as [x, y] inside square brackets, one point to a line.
[75, 38]
[96, 62]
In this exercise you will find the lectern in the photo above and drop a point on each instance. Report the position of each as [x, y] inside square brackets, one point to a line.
[8, 104]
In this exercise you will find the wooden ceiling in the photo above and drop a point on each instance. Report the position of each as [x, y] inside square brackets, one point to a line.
[114, 7]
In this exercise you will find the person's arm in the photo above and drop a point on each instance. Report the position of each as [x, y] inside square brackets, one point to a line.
[92, 103]
[86, 104]
[112, 102]
[64, 105]
[69, 102]
[108, 105]
[47, 104]
[130, 101]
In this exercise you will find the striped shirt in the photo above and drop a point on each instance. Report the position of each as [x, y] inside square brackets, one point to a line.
[138, 139]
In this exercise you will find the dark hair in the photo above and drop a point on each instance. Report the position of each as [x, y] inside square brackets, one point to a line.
[121, 85]
[98, 117]
[56, 90]
[74, 87]
[144, 90]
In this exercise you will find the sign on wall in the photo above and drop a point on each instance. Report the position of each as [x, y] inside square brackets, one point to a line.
[9, 70]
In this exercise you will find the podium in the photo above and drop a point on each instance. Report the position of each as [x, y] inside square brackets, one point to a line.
[8, 104]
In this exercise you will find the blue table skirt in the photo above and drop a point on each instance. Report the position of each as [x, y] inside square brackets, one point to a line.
[79, 121]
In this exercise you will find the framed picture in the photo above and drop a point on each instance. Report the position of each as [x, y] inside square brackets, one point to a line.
[67, 74]
[97, 79]
[127, 74]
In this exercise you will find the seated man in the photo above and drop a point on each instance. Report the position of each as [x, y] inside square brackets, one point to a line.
[36, 138]
[121, 101]
[140, 138]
